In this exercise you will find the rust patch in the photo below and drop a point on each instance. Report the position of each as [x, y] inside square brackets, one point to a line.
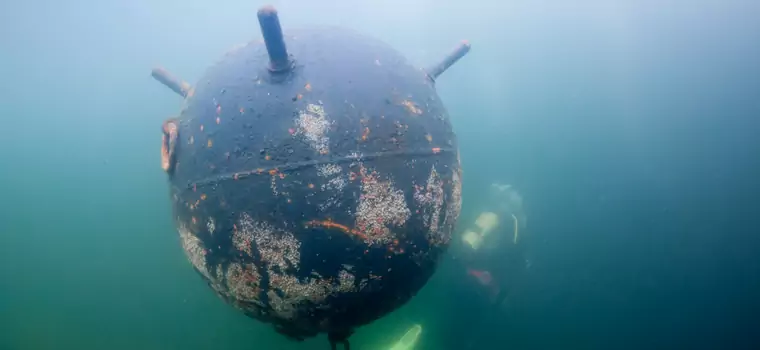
[168, 144]
[334, 225]
[411, 107]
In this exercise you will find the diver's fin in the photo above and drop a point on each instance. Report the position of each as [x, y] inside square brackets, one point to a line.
[409, 339]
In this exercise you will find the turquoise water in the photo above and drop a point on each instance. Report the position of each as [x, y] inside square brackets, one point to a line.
[630, 128]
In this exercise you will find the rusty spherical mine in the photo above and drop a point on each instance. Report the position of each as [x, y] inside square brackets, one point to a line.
[320, 198]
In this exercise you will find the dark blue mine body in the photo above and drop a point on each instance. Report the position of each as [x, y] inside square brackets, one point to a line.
[321, 197]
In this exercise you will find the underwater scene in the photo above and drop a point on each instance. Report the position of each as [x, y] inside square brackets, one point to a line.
[379, 175]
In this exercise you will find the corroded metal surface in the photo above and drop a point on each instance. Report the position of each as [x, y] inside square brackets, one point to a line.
[321, 198]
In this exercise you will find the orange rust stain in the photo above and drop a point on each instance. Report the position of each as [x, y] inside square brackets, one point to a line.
[365, 134]
[311, 185]
[273, 172]
[411, 107]
[436, 150]
[334, 225]
[209, 143]
[307, 87]
[203, 196]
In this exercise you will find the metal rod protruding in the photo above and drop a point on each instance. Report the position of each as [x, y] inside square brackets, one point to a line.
[180, 87]
[452, 58]
[279, 60]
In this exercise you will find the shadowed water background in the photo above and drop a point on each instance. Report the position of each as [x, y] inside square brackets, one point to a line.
[629, 127]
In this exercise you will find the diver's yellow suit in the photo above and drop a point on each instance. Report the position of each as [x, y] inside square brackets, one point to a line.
[506, 206]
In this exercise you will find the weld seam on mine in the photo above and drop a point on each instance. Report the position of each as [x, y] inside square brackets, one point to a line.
[313, 163]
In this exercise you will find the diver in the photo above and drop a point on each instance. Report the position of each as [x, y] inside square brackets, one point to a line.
[489, 260]
[492, 249]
